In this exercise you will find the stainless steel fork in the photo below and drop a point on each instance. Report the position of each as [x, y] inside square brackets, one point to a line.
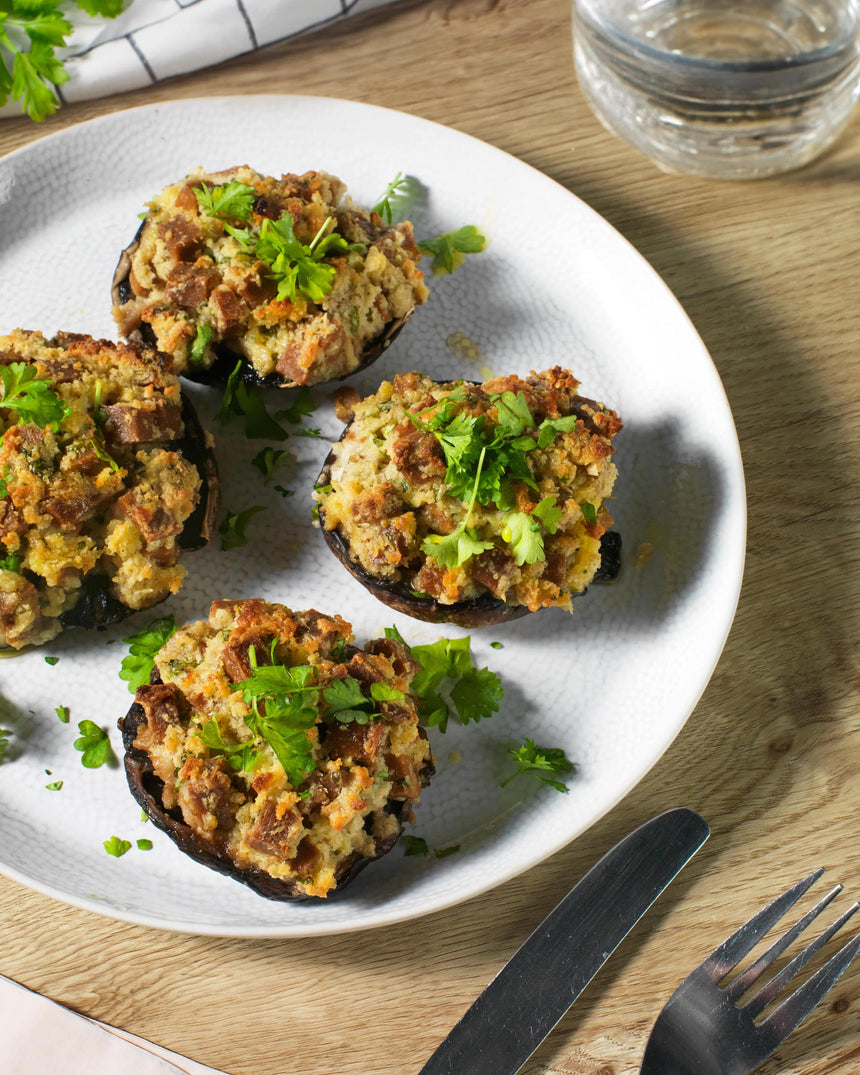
[705, 1030]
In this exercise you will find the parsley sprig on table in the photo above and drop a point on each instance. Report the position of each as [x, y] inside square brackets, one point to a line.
[484, 461]
[396, 191]
[538, 762]
[30, 33]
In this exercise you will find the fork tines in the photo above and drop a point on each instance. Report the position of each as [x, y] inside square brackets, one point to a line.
[797, 1006]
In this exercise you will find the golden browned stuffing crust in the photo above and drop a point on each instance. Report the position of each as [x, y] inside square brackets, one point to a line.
[363, 776]
[188, 271]
[102, 494]
[387, 492]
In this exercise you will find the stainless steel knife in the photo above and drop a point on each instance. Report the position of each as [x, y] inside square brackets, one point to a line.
[548, 972]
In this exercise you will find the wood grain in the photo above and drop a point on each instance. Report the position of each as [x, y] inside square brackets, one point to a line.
[768, 273]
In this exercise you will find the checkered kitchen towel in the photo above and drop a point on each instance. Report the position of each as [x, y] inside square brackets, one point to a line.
[156, 39]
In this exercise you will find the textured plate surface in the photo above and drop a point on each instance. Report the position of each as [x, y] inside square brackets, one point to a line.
[612, 684]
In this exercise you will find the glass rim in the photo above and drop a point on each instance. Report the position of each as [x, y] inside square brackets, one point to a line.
[614, 33]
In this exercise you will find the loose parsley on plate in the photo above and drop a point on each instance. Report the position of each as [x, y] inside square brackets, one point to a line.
[540, 761]
[93, 744]
[447, 669]
[449, 248]
[232, 528]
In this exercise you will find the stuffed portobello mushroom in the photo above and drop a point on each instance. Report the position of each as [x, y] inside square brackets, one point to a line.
[286, 275]
[105, 478]
[474, 504]
[271, 749]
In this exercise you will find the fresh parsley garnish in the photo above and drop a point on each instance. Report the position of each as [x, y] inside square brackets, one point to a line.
[55, 785]
[450, 248]
[484, 461]
[444, 852]
[247, 402]
[117, 847]
[589, 512]
[281, 714]
[32, 399]
[93, 744]
[228, 201]
[29, 76]
[540, 761]
[345, 701]
[202, 337]
[496, 645]
[52, 661]
[415, 845]
[267, 459]
[233, 526]
[4, 478]
[297, 267]
[446, 668]
[395, 192]
[303, 404]
[142, 648]
[144, 845]
[62, 712]
[10, 562]
[103, 455]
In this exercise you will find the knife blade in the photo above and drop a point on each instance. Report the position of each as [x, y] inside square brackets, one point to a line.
[547, 973]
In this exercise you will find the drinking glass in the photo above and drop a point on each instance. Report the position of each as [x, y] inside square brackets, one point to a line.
[730, 89]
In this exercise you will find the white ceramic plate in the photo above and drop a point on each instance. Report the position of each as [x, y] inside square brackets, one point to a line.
[611, 684]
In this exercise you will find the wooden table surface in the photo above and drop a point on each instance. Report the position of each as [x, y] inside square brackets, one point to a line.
[768, 273]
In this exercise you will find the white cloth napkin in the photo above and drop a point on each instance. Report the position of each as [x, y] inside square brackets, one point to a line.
[156, 39]
[40, 1037]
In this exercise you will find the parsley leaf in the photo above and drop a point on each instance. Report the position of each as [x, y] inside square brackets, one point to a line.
[229, 201]
[4, 743]
[247, 402]
[33, 399]
[4, 477]
[538, 761]
[29, 76]
[589, 512]
[462, 544]
[475, 693]
[144, 845]
[303, 403]
[117, 847]
[297, 267]
[450, 248]
[62, 712]
[267, 459]
[551, 427]
[143, 647]
[93, 744]
[232, 528]
[52, 660]
[279, 714]
[55, 785]
[414, 845]
[201, 341]
[396, 192]
[522, 532]
[10, 562]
